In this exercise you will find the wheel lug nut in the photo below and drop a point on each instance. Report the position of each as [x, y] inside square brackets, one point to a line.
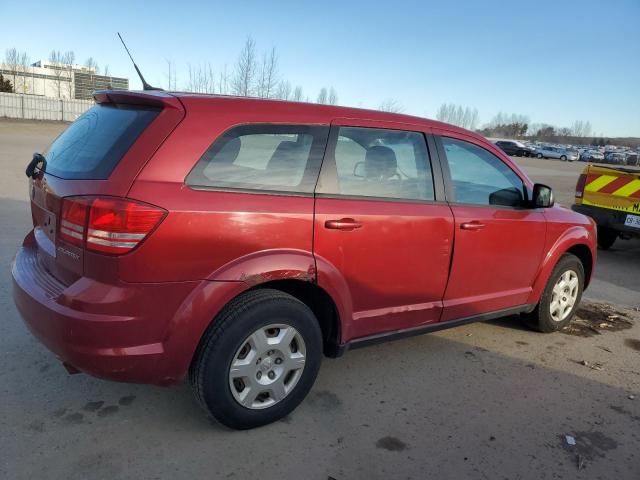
[259, 375]
[272, 375]
[278, 361]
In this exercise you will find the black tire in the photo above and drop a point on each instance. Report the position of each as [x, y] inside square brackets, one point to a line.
[539, 155]
[209, 371]
[606, 237]
[519, 153]
[540, 318]
[563, 158]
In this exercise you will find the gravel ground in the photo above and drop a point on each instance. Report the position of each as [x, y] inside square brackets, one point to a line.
[490, 400]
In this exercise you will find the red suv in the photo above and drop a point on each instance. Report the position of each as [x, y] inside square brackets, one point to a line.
[235, 241]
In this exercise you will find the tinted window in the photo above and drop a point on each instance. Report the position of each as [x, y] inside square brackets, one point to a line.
[382, 163]
[263, 157]
[479, 177]
[93, 145]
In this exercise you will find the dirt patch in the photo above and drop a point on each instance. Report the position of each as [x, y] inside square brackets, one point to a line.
[392, 444]
[594, 318]
[633, 343]
[126, 401]
[589, 445]
[325, 400]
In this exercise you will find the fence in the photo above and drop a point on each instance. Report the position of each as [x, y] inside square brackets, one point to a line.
[32, 107]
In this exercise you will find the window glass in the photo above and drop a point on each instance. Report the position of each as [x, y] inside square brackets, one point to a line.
[479, 177]
[374, 162]
[95, 143]
[263, 157]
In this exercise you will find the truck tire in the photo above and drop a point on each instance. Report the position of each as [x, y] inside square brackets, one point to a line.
[561, 296]
[257, 360]
[606, 237]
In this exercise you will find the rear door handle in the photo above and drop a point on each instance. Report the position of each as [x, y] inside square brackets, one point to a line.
[346, 224]
[475, 225]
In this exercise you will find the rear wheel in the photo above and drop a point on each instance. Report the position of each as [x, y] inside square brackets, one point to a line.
[258, 359]
[539, 155]
[606, 237]
[561, 296]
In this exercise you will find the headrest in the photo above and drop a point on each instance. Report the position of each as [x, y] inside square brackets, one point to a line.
[380, 163]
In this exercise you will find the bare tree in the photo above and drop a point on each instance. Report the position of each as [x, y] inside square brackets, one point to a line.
[201, 79]
[322, 96]
[581, 128]
[297, 94]
[55, 59]
[243, 82]
[333, 96]
[24, 69]
[391, 105]
[92, 64]
[12, 61]
[69, 59]
[283, 92]
[171, 74]
[445, 112]
[223, 81]
[466, 117]
[268, 76]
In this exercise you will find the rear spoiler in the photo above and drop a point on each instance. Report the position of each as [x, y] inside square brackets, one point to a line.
[155, 98]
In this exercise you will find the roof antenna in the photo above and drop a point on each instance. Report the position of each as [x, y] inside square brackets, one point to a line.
[145, 85]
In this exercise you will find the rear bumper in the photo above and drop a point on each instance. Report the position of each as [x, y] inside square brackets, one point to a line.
[142, 333]
[605, 217]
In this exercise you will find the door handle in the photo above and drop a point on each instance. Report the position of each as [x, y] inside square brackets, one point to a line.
[475, 225]
[346, 224]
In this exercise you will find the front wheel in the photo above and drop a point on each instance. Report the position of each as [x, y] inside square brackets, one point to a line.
[539, 155]
[561, 296]
[563, 158]
[258, 359]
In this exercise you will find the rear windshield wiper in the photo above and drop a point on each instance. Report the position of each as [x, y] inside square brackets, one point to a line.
[36, 165]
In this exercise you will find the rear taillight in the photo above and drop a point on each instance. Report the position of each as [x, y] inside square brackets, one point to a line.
[582, 180]
[73, 221]
[107, 224]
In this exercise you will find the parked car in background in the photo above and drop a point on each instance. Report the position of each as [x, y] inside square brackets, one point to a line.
[547, 151]
[234, 241]
[632, 158]
[591, 156]
[615, 158]
[513, 147]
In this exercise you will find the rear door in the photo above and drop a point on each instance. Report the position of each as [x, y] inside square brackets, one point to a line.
[498, 243]
[381, 221]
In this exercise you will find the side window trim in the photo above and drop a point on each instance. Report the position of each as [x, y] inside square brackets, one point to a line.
[448, 182]
[328, 179]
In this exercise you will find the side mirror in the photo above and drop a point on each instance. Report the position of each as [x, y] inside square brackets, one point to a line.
[542, 196]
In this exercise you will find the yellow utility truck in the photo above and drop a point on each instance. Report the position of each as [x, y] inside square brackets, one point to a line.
[611, 196]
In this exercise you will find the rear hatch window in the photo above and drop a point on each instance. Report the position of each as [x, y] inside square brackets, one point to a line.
[94, 144]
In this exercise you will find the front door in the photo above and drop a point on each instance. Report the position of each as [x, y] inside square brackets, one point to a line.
[380, 223]
[498, 243]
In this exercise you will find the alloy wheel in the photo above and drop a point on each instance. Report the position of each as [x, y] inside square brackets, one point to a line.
[267, 366]
[564, 295]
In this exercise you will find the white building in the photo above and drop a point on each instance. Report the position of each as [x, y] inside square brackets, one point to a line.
[59, 80]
